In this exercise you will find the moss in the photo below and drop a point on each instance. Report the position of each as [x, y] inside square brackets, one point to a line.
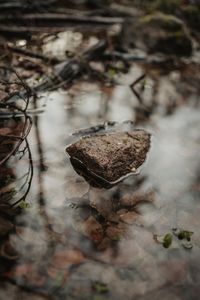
[151, 5]
[162, 21]
[167, 241]
[176, 43]
[165, 34]
[100, 287]
[167, 6]
[192, 16]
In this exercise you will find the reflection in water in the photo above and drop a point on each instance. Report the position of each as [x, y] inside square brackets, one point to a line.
[74, 234]
[13, 142]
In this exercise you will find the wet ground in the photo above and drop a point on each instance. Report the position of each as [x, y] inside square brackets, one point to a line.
[67, 240]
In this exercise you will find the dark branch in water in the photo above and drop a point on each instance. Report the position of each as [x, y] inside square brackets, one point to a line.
[32, 54]
[50, 22]
[25, 131]
[133, 89]
[30, 175]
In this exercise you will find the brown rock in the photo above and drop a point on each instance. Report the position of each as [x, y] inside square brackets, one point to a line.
[165, 34]
[159, 33]
[110, 156]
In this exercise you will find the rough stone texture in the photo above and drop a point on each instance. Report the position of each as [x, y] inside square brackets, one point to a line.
[165, 34]
[113, 155]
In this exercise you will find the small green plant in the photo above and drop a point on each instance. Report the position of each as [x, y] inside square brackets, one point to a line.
[100, 287]
[182, 235]
[167, 241]
[24, 205]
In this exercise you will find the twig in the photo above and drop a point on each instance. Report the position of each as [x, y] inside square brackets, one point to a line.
[54, 19]
[31, 175]
[134, 91]
[29, 53]
[26, 130]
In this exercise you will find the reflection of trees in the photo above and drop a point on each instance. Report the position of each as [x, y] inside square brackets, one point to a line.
[41, 167]
[28, 175]
[106, 217]
[40, 173]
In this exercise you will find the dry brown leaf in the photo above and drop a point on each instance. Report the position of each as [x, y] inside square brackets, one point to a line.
[65, 258]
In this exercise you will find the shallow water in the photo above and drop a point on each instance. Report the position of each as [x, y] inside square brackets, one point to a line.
[77, 242]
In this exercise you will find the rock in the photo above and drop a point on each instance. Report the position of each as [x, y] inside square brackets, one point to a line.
[167, 6]
[106, 159]
[161, 33]
[191, 14]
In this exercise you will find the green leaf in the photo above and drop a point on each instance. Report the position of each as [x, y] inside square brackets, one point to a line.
[167, 240]
[182, 234]
[100, 287]
[24, 204]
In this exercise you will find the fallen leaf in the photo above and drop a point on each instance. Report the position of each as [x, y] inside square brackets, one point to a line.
[66, 258]
[129, 217]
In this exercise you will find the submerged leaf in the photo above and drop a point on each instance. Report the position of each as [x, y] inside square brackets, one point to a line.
[24, 204]
[182, 234]
[100, 287]
[167, 240]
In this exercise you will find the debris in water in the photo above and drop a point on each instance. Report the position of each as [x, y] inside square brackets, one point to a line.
[165, 240]
[182, 234]
[100, 287]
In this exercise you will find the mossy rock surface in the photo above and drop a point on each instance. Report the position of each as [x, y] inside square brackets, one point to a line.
[191, 14]
[167, 6]
[159, 20]
[163, 33]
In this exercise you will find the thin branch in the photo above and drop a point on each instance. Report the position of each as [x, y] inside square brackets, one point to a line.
[30, 174]
[133, 89]
[25, 132]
